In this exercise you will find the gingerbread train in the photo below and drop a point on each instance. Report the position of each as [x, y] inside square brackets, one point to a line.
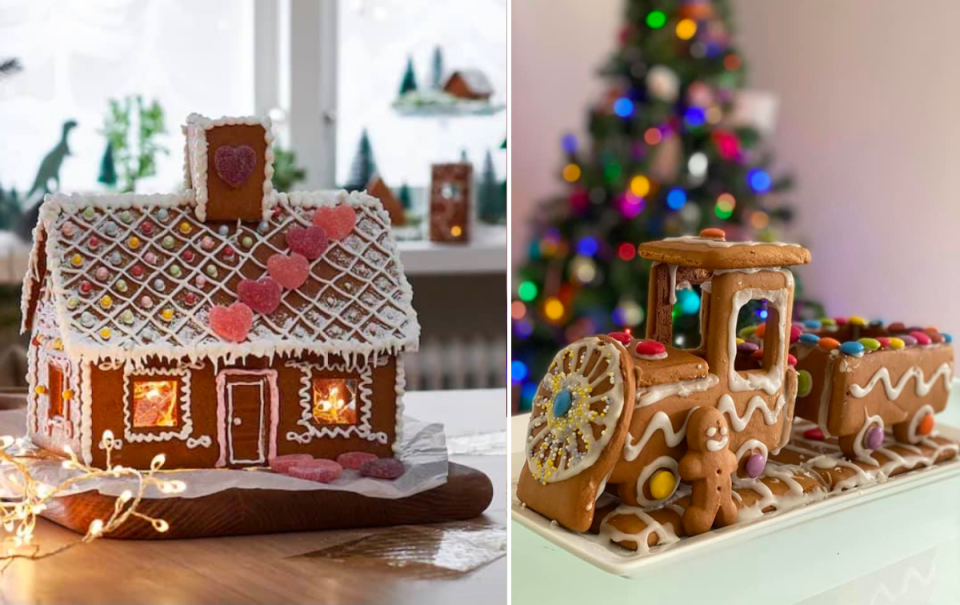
[642, 442]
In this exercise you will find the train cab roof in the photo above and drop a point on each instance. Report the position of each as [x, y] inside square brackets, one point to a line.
[711, 250]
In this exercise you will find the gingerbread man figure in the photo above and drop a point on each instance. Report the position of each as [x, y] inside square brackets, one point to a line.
[709, 465]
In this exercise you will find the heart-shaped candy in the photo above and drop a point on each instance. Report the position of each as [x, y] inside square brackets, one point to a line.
[263, 295]
[308, 241]
[337, 221]
[235, 164]
[231, 323]
[289, 271]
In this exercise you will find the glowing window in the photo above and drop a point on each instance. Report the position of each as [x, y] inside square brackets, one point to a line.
[155, 403]
[335, 400]
[55, 389]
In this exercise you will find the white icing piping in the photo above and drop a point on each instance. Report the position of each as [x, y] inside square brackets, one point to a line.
[716, 243]
[653, 394]
[663, 462]
[727, 406]
[659, 422]
[922, 387]
[772, 380]
[665, 533]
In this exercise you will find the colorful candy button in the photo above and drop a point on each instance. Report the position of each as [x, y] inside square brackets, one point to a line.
[755, 465]
[852, 347]
[185, 228]
[86, 320]
[106, 302]
[946, 337]
[829, 344]
[814, 434]
[791, 360]
[134, 242]
[150, 258]
[121, 286]
[804, 383]
[263, 227]
[246, 241]
[926, 425]
[747, 331]
[40, 389]
[621, 337]
[89, 213]
[190, 298]
[562, 402]
[127, 317]
[908, 340]
[146, 302]
[159, 284]
[136, 270]
[126, 216]
[68, 394]
[102, 274]
[896, 343]
[115, 258]
[207, 243]
[884, 342]
[662, 485]
[808, 338]
[922, 338]
[68, 229]
[747, 347]
[188, 255]
[758, 354]
[760, 331]
[105, 333]
[713, 233]
[812, 324]
[163, 214]
[870, 344]
[93, 242]
[211, 270]
[827, 321]
[223, 230]
[897, 326]
[795, 333]
[857, 320]
[76, 260]
[73, 302]
[875, 438]
[175, 271]
[201, 281]
[168, 242]
[166, 314]
[650, 348]
[841, 321]
[86, 287]
[146, 227]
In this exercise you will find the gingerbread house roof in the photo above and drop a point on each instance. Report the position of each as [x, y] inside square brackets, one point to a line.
[136, 276]
[475, 80]
[718, 254]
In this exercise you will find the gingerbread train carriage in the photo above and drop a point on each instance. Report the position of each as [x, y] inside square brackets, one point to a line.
[686, 437]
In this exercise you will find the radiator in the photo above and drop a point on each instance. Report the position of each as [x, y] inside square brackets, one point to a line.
[455, 363]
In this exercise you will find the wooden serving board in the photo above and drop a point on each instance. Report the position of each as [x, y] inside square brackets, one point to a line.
[237, 511]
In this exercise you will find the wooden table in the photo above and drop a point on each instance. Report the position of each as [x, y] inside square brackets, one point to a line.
[270, 568]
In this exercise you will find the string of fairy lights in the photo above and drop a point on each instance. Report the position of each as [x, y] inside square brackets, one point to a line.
[568, 259]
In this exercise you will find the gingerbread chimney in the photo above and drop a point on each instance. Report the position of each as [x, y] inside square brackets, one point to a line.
[229, 166]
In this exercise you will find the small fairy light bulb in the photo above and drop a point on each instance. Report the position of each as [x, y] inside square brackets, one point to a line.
[126, 495]
[68, 450]
[108, 435]
[157, 461]
[160, 525]
[44, 490]
[96, 527]
[6, 441]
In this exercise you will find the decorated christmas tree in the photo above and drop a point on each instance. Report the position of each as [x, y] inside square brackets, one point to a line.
[668, 155]
[409, 82]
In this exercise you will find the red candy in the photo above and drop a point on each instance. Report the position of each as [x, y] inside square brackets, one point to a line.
[383, 468]
[621, 337]
[146, 227]
[263, 295]
[884, 341]
[841, 321]
[282, 464]
[922, 337]
[337, 222]
[86, 287]
[136, 270]
[758, 354]
[289, 271]
[311, 242]
[791, 360]
[190, 298]
[188, 255]
[228, 252]
[231, 323]
[320, 470]
[650, 348]
[234, 165]
[795, 333]
[814, 434]
[713, 233]
[355, 460]
[93, 242]
[935, 338]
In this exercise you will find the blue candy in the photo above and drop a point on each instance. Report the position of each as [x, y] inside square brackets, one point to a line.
[947, 338]
[561, 403]
[810, 339]
[852, 347]
[812, 324]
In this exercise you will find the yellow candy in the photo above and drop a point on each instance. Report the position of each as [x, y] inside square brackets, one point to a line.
[185, 228]
[105, 333]
[134, 242]
[167, 314]
[740, 341]
[896, 343]
[77, 260]
[40, 390]
[58, 344]
[68, 394]
[858, 321]
[106, 302]
[662, 485]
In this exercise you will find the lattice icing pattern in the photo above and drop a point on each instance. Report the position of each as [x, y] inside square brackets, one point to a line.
[135, 276]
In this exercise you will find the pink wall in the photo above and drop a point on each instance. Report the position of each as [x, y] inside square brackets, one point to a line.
[869, 124]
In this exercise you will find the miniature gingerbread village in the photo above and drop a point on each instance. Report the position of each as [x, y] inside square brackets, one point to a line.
[227, 325]
[642, 443]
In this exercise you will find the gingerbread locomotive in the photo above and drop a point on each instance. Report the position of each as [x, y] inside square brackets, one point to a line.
[698, 438]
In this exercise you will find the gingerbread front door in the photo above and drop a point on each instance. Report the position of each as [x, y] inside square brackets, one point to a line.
[247, 399]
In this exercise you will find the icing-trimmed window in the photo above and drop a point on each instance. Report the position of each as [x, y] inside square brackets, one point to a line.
[759, 325]
[335, 401]
[55, 390]
[156, 402]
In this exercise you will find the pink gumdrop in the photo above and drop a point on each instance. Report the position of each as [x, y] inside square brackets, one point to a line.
[289, 271]
[338, 221]
[263, 295]
[311, 242]
[791, 360]
[922, 337]
[383, 468]
[650, 348]
[320, 470]
[231, 323]
[875, 438]
[355, 460]
[235, 164]
[282, 464]
[795, 332]
[755, 465]
[102, 274]
[814, 434]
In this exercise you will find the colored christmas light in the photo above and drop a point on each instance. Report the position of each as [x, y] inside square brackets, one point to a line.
[527, 291]
[631, 205]
[612, 172]
[587, 246]
[571, 173]
[527, 392]
[725, 205]
[652, 136]
[694, 117]
[688, 302]
[553, 309]
[676, 198]
[623, 107]
[518, 371]
[759, 180]
[640, 185]
[523, 328]
[697, 164]
[569, 143]
[583, 269]
[656, 19]
[517, 309]
[686, 29]
[626, 251]
[732, 62]
[759, 219]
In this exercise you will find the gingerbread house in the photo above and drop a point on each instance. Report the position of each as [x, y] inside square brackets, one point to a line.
[471, 84]
[223, 325]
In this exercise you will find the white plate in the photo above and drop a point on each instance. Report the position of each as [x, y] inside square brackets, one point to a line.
[622, 562]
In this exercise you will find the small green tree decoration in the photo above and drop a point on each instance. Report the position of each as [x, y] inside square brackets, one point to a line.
[364, 166]
[492, 205]
[406, 199]
[409, 83]
[131, 128]
[108, 170]
[286, 172]
[437, 79]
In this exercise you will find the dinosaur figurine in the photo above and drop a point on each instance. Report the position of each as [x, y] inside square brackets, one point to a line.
[50, 166]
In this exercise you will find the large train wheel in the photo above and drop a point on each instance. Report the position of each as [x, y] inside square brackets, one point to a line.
[916, 429]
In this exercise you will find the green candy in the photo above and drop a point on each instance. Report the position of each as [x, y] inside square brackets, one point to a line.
[121, 286]
[175, 271]
[747, 331]
[89, 213]
[247, 241]
[168, 242]
[126, 216]
[826, 321]
[804, 383]
[211, 271]
[127, 317]
[869, 344]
